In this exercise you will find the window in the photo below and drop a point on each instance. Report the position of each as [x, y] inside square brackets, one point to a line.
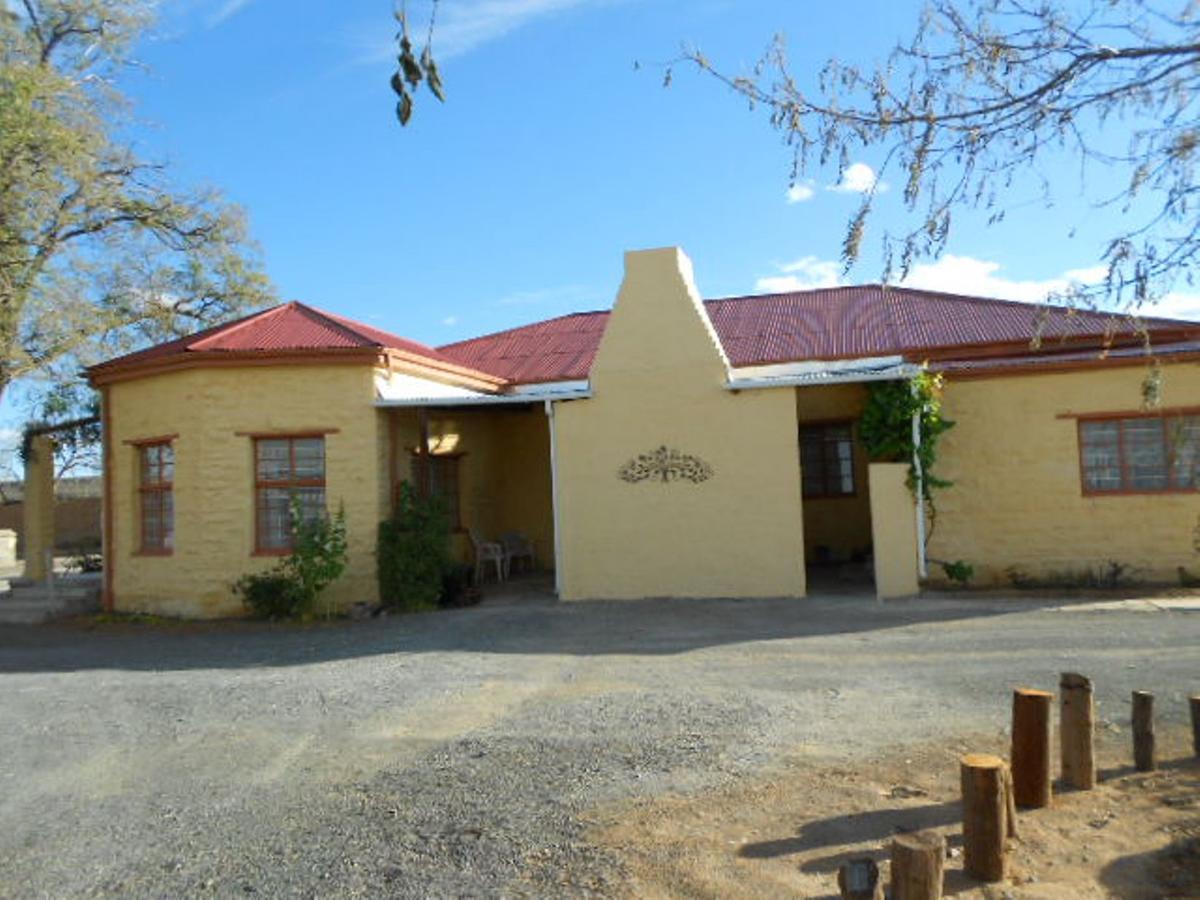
[1139, 455]
[157, 497]
[827, 460]
[436, 475]
[286, 469]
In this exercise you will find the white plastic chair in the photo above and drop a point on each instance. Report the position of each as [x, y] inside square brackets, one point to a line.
[485, 552]
[517, 546]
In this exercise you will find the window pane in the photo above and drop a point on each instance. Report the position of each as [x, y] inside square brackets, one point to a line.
[1183, 446]
[166, 456]
[274, 460]
[152, 525]
[1101, 455]
[827, 460]
[168, 519]
[274, 519]
[1146, 454]
[310, 458]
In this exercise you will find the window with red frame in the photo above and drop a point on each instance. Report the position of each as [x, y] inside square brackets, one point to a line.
[1139, 455]
[157, 497]
[827, 460]
[286, 470]
[435, 476]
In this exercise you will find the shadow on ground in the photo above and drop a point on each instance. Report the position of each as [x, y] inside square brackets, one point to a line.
[537, 626]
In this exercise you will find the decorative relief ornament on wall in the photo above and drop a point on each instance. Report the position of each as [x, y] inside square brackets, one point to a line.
[666, 465]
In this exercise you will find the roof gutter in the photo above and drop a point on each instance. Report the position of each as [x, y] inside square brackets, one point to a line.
[486, 399]
[819, 377]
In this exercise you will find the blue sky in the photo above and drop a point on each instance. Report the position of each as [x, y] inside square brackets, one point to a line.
[514, 201]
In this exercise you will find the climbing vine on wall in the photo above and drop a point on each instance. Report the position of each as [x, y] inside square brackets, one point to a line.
[886, 426]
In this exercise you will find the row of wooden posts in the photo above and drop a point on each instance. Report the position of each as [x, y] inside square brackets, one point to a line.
[992, 791]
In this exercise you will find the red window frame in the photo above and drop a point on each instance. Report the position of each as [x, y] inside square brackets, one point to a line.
[1168, 454]
[831, 476]
[262, 485]
[156, 494]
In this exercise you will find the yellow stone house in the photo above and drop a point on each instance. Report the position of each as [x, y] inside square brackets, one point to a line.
[668, 447]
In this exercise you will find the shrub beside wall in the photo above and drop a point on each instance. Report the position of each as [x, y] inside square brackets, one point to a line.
[413, 554]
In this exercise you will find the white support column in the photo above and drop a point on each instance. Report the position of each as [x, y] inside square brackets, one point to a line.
[558, 560]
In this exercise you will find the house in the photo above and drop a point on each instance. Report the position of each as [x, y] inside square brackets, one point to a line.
[670, 447]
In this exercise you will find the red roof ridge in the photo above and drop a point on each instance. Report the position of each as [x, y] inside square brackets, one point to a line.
[197, 341]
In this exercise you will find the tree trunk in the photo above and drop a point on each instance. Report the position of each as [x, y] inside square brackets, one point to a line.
[1143, 731]
[1031, 747]
[985, 814]
[917, 863]
[1076, 726]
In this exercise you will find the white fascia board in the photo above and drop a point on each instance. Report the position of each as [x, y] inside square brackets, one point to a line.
[809, 374]
[402, 386]
[485, 399]
[551, 387]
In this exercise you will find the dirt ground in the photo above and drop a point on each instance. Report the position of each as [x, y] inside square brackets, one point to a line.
[1136, 836]
[541, 749]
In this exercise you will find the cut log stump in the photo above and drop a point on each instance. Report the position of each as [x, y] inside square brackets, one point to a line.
[985, 815]
[918, 860]
[1143, 731]
[1031, 747]
[1076, 731]
[859, 880]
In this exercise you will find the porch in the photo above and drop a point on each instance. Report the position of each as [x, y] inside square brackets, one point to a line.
[489, 465]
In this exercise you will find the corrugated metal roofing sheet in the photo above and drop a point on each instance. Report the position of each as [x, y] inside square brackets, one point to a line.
[291, 326]
[830, 323]
[833, 323]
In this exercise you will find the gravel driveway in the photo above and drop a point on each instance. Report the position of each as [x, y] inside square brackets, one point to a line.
[460, 753]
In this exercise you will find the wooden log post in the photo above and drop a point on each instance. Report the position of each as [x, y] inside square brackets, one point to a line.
[1031, 747]
[1010, 805]
[859, 880]
[1143, 731]
[985, 814]
[1077, 718]
[917, 863]
[1194, 703]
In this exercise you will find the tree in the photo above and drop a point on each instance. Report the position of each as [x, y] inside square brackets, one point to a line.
[98, 253]
[986, 91]
[411, 71]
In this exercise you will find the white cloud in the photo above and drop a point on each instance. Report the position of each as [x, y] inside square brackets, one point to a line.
[450, 321]
[800, 192]
[464, 25]
[858, 178]
[982, 278]
[1175, 305]
[806, 273]
[225, 11]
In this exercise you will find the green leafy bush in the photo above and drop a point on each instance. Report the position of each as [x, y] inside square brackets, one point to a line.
[413, 553]
[958, 571]
[271, 595]
[885, 428]
[290, 590]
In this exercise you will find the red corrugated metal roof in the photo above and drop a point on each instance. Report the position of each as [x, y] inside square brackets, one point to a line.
[833, 323]
[289, 327]
[830, 323]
